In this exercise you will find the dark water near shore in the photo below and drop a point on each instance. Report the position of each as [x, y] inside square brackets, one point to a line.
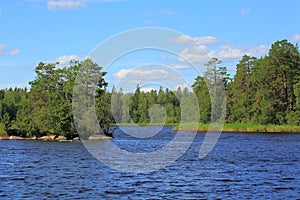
[243, 165]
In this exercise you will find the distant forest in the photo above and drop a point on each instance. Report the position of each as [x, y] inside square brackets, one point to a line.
[263, 91]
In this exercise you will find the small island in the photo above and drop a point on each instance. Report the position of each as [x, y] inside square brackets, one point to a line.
[263, 96]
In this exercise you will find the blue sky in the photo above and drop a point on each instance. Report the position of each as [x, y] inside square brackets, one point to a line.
[60, 30]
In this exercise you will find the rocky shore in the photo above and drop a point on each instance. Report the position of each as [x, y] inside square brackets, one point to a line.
[53, 138]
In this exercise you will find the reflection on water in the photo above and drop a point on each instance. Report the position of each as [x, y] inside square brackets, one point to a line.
[240, 166]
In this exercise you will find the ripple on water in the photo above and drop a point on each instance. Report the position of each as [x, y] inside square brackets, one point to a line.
[252, 166]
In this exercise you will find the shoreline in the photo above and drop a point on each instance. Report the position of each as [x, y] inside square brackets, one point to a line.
[226, 128]
[192, 127]
[52, 138]
[240, 128]
[235, 131]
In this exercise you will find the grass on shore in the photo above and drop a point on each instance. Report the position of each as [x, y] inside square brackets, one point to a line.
[236, 127]
[145, 124]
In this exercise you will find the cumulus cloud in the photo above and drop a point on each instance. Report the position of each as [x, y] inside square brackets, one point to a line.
[195, 54]
[245, 11]
[200, 49]
[229, 52]
[206, 40]
[15, 52]
[65, 4]
[258, 51]
[296, 38]
[148, 77]
[4, 50]
[226, 52]
[65, 60]
[179, 66]
[73, 4]
[147, 89]
[142, 74]
[185, 39]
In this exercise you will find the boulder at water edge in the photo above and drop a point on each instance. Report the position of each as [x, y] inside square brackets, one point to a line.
[99, 137]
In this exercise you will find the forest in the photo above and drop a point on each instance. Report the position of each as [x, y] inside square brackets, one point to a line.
[263, 90]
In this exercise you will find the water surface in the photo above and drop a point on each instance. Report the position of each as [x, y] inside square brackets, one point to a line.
[242, 165]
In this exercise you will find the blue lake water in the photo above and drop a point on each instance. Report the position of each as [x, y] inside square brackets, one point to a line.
[242, 165]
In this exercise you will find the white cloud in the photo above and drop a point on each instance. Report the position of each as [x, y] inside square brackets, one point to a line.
[195, 54]
[245, 11]
[185, 39]
[296, 38]
[65, 60]
[258, 51]
[148, 78]
[140, 74]
[74, 4]
[179, 66]
[120, 74]
[15, 52]
[149, 89]
[206, 40]
[227, 52]
[65, 4]
[4, 50]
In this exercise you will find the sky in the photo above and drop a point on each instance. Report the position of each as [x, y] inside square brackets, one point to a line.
[33, 31]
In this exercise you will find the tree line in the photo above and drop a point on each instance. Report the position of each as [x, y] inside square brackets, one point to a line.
[263, 90]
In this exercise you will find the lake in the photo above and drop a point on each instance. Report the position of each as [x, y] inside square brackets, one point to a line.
[241, 165]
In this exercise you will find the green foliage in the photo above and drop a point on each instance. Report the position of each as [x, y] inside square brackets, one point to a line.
[47, 107]
[263, 91]
[216, 79]
[6, 120]
[202, 92]
[241, 127]
[2, 131]
[240, 94]
[156, 107]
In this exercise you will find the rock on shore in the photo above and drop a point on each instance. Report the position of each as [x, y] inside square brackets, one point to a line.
[47, 137]
[12, 137]
[99, 137]
[4, 137]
